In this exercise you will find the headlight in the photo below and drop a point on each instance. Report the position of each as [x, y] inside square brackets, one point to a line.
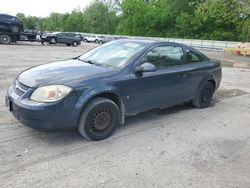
[50, 93]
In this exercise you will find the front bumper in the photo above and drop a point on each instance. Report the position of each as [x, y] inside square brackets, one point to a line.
[45, 116]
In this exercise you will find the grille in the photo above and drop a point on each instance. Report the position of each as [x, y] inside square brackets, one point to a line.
[19, 88]
[35, 123]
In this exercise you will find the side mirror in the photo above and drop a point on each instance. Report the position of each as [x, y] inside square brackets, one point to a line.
[145, 67]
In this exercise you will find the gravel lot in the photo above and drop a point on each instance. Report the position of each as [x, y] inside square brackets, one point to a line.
[177, 147]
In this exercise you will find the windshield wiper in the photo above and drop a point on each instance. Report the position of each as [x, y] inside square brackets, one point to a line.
[91, 62]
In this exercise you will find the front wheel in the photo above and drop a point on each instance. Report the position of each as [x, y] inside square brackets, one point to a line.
[204, 96]
[53, 40]
[99, 119]
[74, 44]
[5, 39]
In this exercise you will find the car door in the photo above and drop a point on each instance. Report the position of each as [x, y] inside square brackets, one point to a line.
[198, 66]
[69, 38]
[60, 38]
[167, 86]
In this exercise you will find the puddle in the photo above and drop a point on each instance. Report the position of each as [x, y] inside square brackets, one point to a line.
[228, 93]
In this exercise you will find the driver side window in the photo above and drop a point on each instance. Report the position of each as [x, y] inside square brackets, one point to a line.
[164, 56]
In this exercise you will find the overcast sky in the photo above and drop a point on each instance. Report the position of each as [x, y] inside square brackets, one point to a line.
[40, 8]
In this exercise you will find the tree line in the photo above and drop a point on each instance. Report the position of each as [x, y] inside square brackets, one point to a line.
[194, 19]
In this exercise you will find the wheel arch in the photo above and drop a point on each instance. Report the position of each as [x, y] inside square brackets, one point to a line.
[207, 78]
[113, 96]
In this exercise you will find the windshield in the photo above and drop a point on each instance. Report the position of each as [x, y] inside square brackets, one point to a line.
[113, 54]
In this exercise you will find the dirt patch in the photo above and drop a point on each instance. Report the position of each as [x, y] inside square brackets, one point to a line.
[228, 93]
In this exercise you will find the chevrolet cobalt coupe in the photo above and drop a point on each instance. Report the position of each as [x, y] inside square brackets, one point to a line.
[97, 90]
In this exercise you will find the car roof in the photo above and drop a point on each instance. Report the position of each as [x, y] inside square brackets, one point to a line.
[151, 41]
[7, 15]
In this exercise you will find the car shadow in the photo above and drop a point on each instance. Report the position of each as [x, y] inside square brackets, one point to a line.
[58, 138]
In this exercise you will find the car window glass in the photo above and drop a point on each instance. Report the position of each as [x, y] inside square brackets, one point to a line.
[194, 57]
[164, 56]
[114, 54]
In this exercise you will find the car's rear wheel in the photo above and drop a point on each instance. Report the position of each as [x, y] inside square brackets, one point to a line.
[5, 39]
[85, 40]
[74, 44]
[14, 28]
[101, 42]
[99, 119]
[205, 95]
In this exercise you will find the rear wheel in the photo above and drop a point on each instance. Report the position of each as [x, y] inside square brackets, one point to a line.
[99, 119]
[5, 39]
[205, 95]
[85, 40]
[14, 28]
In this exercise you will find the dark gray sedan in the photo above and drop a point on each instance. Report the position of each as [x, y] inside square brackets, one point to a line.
[62, 38]
[97, 90]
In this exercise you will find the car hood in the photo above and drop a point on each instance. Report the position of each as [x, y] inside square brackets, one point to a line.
[69, 72]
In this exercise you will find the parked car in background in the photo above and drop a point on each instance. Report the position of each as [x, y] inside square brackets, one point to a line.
[11, 24]
[97, 90]
[49, 37]
[62, 38]
[93, 38]
[106, 39]
[29, 35]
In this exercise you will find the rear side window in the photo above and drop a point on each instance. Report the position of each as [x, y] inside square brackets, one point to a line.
[194, 57]
[164, 56]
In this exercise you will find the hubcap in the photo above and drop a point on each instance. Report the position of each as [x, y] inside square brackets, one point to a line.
[101, 120]
[205, 97]
[14, 29]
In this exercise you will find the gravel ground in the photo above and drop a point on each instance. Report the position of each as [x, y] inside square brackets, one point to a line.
[177, 147]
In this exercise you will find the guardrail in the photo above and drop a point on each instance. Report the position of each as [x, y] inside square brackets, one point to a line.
[196, 43]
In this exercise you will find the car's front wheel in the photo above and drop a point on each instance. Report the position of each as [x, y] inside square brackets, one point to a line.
[99, 119]
[204, 96]
[5, 39]
[53, 40]
[74, 44]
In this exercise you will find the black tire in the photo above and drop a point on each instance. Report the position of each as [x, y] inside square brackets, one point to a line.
[5, 39]
[101, 42]
[53, 40]
[96, 41]
[85, 40]
[74, 44]
[14, 29]
[205, 95]
[99, 119]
